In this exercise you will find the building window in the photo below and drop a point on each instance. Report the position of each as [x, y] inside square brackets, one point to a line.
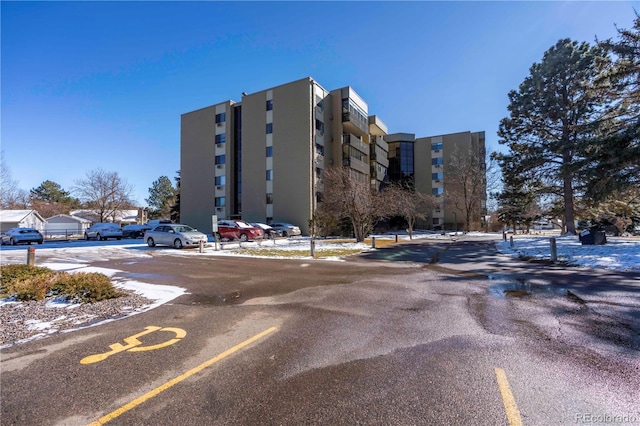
[221, 138]
[220, 201]
[270, 174]
[269, 105]
[269, 151]
[269, 198]
[436, 221]
[436, 161]
[319, 149]
[269, 128]
[221, 118]
[220, 180]
[437, 191]
[320, 126]
[436, 146]
[437, 176]
[220, 159]
[321, 105]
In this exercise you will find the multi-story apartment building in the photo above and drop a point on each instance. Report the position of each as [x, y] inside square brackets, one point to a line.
[434, 165]
[263, 158]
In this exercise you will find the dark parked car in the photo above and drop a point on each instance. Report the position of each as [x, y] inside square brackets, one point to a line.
[16, 236]
[135, 231]
[238, 230]
[269, 231]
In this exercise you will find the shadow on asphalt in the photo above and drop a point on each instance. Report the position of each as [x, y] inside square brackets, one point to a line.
[613, 295]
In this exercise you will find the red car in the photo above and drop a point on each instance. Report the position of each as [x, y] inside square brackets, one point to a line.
[238, 230]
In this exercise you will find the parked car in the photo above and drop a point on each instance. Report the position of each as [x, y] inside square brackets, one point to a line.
[103, 230]
[155, 222]
[135, 231]
[238, 230]
[16, 236]
[288, 230]
[269, 232]
[175, 235]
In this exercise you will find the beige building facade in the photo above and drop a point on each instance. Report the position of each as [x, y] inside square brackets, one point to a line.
[263, 159]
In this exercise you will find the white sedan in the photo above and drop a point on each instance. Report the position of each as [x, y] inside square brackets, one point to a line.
[174, 235]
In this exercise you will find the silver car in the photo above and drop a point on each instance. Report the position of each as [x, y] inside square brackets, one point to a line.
[288, 230]
[102, 231]
[174, 235]
[15, 236]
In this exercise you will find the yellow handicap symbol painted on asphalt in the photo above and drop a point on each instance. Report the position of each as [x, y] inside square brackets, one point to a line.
[133, 344]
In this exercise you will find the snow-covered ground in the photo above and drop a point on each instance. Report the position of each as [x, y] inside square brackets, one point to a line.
[618, 254]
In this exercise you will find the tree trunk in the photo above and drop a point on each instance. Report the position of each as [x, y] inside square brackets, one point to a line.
[568, 203]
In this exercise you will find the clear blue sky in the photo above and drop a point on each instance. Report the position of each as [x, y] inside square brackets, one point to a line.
[89, 85]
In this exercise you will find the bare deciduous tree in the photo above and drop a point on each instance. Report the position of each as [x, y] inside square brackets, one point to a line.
[409, 204]
[467, 182]
[105, 193]
[11, 196]
[348, 197]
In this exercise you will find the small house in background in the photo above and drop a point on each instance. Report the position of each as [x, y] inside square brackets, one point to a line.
[64, 226]
[21, 219]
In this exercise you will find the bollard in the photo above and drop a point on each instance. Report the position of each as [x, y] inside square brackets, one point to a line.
[504, 236]
[373, 242]
[511, 241]
[396, 238]
[554, 250]
[201, 246]
[313, 248]
[31, 256]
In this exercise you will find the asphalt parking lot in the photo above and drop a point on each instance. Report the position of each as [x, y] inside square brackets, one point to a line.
[392, 340]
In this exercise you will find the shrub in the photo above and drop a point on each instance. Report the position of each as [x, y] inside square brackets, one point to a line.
[12, 274]
[86, 287]
[26, 282]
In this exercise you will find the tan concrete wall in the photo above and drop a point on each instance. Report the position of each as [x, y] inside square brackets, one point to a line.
[422, 164]
[292, 154]
[197, 168]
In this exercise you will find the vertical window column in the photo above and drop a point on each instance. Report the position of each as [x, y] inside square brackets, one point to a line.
[220, 171]
[269, 155]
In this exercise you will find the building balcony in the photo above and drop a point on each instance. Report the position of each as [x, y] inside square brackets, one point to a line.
[353, 123]
[380, 158]
[356, 164]
[379, 142]
[355, 142]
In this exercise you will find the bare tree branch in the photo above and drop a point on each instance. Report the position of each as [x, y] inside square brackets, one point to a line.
[106, 193]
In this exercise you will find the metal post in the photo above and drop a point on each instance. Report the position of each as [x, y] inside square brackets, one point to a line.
[554, 250]
[201, 246]
[313, 248]
[373, 242]
[31, 256]
[396, 238]
[511, 241]
[504, 235]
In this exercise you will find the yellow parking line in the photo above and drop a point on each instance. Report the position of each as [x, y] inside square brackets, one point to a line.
[104, 419]
[513, 414]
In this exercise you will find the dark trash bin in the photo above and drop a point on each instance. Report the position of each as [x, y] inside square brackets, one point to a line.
[589, 238]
